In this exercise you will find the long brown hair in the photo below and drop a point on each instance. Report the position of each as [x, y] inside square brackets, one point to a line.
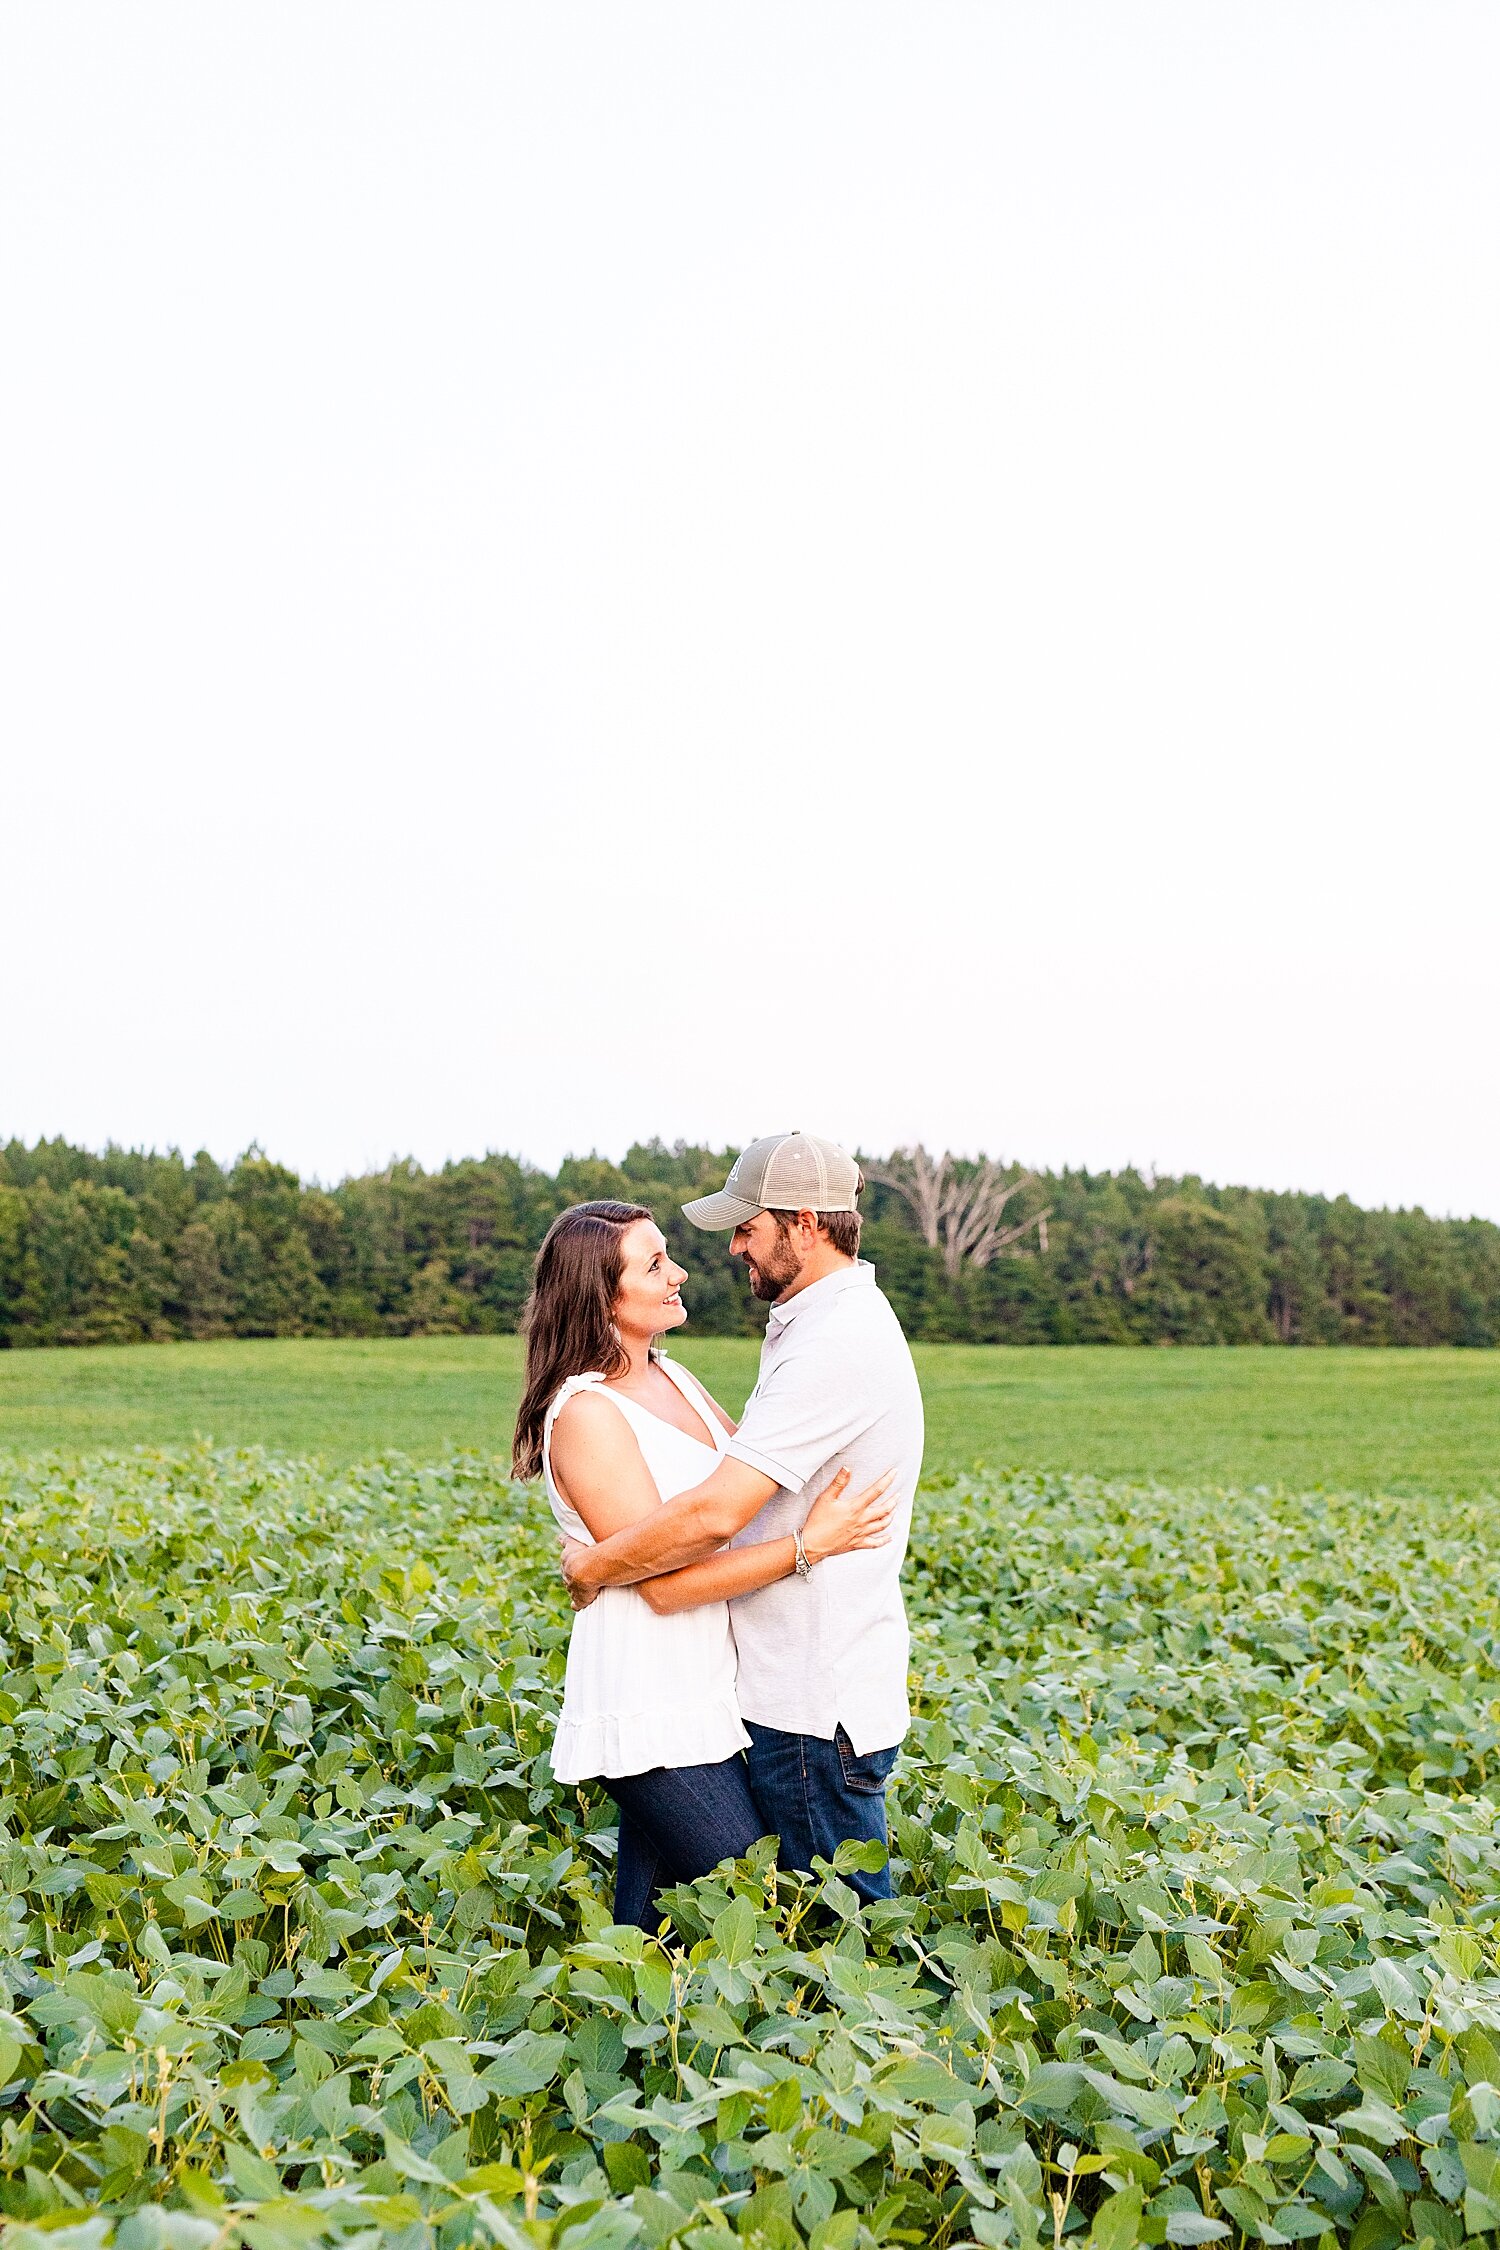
[569, 1318]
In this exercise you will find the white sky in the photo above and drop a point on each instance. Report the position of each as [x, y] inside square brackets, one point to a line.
[578, 571]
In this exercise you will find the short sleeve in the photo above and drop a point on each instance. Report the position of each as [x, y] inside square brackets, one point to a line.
[810, 1407]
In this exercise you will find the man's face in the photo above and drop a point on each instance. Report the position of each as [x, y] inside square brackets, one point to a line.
[773, 1259]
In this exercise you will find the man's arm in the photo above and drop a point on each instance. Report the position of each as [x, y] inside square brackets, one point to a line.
[686, 1530]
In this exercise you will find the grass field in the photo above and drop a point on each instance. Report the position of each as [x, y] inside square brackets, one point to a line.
[1398, 1422]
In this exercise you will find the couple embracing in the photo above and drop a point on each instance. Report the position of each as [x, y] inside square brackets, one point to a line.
[738, 1661]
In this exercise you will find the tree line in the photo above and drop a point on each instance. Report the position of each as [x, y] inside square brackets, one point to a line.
[129, 1246]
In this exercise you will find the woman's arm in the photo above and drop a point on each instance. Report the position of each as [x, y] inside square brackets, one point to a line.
[598, 1467]
[739, 1570]
[838, 1523]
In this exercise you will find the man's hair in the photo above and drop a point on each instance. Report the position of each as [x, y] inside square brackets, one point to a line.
[841, 1227]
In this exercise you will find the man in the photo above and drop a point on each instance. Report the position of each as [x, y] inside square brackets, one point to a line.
[823, 1654]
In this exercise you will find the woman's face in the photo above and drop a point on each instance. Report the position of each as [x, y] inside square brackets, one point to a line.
[646, 1301]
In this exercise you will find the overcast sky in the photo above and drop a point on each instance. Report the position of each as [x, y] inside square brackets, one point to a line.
[574, 572]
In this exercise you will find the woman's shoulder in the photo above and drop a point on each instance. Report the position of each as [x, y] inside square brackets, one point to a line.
[567, 1394]
[583, 1404]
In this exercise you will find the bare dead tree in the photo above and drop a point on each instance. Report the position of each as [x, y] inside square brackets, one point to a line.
[920, 1183]
[960, 1213]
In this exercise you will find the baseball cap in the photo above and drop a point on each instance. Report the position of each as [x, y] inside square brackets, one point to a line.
[783, 1172]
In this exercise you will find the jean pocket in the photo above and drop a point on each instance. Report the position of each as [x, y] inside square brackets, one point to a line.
[866, 1775]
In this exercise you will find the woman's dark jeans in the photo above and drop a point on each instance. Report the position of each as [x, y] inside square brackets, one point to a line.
[677, 1822]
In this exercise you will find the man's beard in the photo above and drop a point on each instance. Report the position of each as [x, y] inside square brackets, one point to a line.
[775, 1272]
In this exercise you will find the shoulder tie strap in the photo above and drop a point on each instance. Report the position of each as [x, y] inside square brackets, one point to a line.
[560, 1398]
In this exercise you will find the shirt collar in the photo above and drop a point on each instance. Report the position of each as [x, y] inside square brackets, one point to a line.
[860, 1275]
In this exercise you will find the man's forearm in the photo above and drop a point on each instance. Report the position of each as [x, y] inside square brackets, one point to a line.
[685, 1530]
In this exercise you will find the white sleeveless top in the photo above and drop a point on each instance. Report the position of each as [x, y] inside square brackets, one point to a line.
[644, 1690]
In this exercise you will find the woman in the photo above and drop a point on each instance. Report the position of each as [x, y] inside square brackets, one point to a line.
[616, 1428]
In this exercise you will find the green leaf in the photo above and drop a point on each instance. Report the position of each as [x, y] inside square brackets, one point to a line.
[241, 1905]
[285, 2225]
[1054, 2087]
[1117, 2222]
[1384, 2066]
[253, 2177]
[653, 1982]
[1396, 1989]
[862, 1855]
[1376, 2120]
[835, 2154]
[627, 2164]
[531, 2061]
[840, 2232]
[409, 2164]
[1319, 2081]
[734, 1931]
[783, 2105]
[947, 2135]
[1300, 2223]
[1158, 2112]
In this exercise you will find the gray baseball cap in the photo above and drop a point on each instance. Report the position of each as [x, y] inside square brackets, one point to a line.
[783, 1172]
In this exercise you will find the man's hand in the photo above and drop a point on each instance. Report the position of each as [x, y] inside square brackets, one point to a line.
[573, 1551]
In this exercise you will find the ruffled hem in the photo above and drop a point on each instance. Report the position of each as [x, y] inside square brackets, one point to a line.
[603, 1747]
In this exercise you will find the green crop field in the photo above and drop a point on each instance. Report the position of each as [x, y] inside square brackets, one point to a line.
[1418, 1421]
[1194, 1941]
[1195, 1833]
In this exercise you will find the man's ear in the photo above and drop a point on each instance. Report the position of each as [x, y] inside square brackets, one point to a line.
[807, 1227]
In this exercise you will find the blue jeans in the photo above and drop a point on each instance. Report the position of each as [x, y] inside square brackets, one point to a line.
[815, 1794]
[677, 1822]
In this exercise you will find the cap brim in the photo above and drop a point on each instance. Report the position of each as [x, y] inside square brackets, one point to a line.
[719, 1211]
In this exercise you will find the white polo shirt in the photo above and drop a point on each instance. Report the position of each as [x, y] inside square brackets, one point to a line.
[837, 1390]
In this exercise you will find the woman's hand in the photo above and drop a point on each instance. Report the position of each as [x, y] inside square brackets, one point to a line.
[572, 1551]
[839, 1521]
